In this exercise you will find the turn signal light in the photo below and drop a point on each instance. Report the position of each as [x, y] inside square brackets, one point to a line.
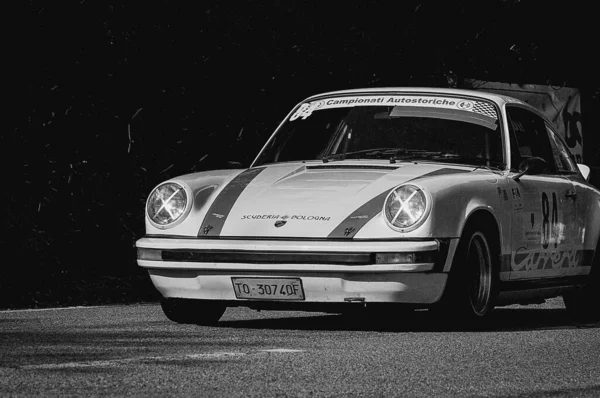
[404, 258]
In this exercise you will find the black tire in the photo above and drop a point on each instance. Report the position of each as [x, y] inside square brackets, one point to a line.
[583, 304]
[196, 312]
[473, 280]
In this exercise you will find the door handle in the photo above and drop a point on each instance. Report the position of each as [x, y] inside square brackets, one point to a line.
[571, 194]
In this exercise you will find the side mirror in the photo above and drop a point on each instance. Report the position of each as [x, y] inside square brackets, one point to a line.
[585, 171]
[531, 166]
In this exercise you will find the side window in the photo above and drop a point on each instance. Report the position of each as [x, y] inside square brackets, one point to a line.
[528, 137]
[562, 156]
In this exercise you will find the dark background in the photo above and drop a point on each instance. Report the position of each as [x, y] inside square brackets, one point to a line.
[114, 97]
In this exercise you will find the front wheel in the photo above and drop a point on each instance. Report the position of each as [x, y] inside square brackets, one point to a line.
[471, 284]
[196, 312]
[479, 275]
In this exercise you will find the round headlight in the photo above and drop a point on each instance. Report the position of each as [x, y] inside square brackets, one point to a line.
[405, 207]
[167, 204]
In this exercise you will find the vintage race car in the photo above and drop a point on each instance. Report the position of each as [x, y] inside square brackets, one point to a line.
[446, 199]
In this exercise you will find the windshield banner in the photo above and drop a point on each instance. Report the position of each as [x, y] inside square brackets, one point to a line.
[421, 101]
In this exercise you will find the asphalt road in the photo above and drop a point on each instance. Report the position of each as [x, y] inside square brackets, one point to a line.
[134, 351]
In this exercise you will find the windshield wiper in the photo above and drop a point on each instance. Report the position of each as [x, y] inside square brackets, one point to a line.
[395, 154]
[342, 156]
[381, 152]
[478, 162]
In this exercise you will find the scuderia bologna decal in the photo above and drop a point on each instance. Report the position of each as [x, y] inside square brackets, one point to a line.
[449, 103]
[284, 217]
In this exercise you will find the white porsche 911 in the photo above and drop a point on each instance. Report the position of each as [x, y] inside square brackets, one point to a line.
[404, 197]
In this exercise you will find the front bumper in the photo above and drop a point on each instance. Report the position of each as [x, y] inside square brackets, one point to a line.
[330, 271]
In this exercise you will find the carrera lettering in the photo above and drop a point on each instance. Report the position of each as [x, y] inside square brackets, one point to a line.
[523, 259]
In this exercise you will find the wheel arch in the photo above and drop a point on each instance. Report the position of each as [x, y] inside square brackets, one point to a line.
[457, 296]
[484, 219]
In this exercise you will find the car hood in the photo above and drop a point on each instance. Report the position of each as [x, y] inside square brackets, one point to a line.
[316, 200]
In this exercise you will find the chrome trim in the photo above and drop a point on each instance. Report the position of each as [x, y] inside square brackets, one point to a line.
[287, 268]
[394, 246]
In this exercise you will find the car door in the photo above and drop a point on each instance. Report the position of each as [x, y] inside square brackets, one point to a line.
[542, 228]
[580, 259]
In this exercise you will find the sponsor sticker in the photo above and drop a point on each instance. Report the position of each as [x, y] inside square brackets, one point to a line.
[517, 206]
[517, 200]
[299, 217]
[532, 235]
[480, 107]
[349, 230]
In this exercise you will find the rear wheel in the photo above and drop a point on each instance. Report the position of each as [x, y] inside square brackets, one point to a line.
[197, 312]
[472, 281]
[583, 304]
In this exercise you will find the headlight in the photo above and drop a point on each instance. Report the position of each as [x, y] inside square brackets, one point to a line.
[167, 204]
[406, 207]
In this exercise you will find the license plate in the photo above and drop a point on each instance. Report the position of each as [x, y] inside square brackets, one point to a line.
[268, 288]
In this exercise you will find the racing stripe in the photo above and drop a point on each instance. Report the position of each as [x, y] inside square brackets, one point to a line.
[221, 206]
[355, 221]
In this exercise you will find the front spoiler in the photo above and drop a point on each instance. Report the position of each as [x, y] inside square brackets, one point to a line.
[330, 287]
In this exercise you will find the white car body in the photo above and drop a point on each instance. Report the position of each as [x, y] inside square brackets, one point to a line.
[321, 222]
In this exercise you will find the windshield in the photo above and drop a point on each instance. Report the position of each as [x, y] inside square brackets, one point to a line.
[394, 127]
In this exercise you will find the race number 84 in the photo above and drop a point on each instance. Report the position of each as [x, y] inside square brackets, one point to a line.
[549, 220]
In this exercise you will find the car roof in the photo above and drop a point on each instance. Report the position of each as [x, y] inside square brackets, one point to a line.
[498, 98]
